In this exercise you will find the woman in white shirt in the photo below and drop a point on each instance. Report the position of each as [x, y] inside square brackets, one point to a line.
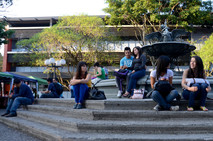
[163, 73]
[197, 90]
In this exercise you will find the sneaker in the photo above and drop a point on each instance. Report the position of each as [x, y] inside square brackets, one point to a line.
[157, 108]
[119, 94]
[174, 108]
[5, 114]
[190, 109]
[75, 106]
[11, 115]
[79, 106]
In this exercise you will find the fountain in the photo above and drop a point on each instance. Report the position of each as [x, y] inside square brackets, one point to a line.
[168, 43]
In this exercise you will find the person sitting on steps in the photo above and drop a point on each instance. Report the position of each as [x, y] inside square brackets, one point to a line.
[138, 68]
[195, 91]
[22, 96]
[163, 73]
[125, 62]
[81, 83]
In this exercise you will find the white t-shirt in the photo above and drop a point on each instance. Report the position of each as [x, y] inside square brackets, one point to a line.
[166, 76]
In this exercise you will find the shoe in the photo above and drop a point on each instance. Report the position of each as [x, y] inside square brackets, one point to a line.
[190, 109]
[5, 114]
[126, 95]
[75, 106]
[203, 108]
[119, 94]
[79, 106]
[157, 108]
[11, 115]
[174, 108]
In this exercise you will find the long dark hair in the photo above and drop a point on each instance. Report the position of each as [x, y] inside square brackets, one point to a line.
[78, 74]
[198, 71]
[162, 64]
[139, 51]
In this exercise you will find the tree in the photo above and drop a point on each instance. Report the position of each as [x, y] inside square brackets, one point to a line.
[75, 38]
[148, 15]
[207, 55]
[4, 33]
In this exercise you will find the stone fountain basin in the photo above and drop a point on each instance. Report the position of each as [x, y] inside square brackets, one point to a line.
[171, 49]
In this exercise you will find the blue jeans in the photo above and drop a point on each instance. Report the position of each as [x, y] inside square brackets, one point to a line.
[200, 94]
[133, 78]
[164, 102]
[13, 104]
[80, 92]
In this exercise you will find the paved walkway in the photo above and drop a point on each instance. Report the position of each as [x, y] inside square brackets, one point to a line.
[10, 134]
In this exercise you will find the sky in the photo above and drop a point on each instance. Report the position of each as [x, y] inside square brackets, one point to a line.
[43, 8]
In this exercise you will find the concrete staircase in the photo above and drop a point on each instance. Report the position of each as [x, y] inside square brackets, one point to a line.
[112, 120]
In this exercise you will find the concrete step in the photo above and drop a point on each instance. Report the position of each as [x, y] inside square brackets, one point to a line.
[117, 104]
[145, 125]
[49, 133]
[121, 115]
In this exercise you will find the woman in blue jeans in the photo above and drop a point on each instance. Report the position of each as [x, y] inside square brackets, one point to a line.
[81, 83]
[138, 68]
[163, 73]
[199, 88]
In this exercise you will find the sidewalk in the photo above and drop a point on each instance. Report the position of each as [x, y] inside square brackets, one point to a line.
[10, 134]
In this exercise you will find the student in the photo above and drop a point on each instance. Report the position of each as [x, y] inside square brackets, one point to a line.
[51, 92]
[22, 96]
[138, 69]
[125, 62]
[59, 87]
[100, 73]
[163, 73]
[198, 88]
[81, 83]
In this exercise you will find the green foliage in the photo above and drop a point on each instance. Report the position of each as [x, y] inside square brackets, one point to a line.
[4, 34]
[206, 54]
[75, 38]
[155, 12]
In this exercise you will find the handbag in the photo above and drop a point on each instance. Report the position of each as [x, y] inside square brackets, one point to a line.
[96, 94]
[138, 94]
[163, 87]
[121, 73]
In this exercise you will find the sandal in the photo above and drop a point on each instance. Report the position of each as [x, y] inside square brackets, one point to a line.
[126, 95]
[190, 109]
[203, 108]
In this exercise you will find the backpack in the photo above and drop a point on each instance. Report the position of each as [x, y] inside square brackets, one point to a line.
[59, 88]
[164, 87]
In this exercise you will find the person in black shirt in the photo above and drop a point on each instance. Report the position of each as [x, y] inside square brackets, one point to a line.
[22, 96]
[51, 92]
[138, 68]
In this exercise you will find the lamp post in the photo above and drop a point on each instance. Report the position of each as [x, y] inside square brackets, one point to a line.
[54, 64]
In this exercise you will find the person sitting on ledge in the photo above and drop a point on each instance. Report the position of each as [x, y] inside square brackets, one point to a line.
[138, 68]
[51, 92]
[162, 97]
[100, 73]
[198, 89]
[22, 96]
[81, 83]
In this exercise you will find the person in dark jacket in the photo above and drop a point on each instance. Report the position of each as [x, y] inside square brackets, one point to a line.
[138, 68]
[22, 96]
[51, 92]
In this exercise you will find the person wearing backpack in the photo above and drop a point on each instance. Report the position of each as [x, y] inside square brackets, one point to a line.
[81, 83]
[161, 82]
[59, 87]
[122, 74]
[51, 92]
